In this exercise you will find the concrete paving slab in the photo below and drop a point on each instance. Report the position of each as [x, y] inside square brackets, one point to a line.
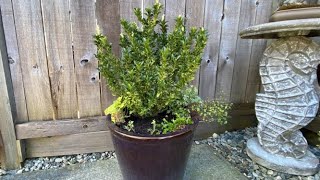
[204, 164]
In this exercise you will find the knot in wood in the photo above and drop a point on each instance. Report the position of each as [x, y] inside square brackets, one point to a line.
[35, 66]
[83, 62]
[10, 59]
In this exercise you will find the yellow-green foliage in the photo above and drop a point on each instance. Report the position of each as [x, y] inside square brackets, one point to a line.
[116, 111]
[213, 111]
[155, 68]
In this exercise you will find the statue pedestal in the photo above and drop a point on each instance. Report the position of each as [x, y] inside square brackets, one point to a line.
[306, 166]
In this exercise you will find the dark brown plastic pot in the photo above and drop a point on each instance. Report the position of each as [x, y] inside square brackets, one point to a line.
[152, 158]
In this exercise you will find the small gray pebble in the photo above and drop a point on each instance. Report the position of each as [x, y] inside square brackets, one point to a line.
[2, 172]
[58, 160]
[215, 135]
[255, 174]
[80, 160]
[310, 178]
[270, 172]
[263, 170]
[19, 171]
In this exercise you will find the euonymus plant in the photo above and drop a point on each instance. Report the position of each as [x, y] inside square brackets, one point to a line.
[155, 70]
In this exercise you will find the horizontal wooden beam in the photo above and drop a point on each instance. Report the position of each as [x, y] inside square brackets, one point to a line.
[38, 129]
[206, 129]
[101, 141]
[65, 137]
[69, 144]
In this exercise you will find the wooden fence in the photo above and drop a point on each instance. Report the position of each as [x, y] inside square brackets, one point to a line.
[54, 71]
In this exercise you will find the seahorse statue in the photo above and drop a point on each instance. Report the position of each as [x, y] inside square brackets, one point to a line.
[289, 101]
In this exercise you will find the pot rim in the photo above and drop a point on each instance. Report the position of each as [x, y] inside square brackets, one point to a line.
[121, 132]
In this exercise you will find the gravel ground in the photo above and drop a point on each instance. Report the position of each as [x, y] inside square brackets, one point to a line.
[35, 164]
[232, 146]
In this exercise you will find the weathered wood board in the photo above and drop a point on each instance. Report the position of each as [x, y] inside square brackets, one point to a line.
[87, 75]
[33, 60]
[208, 70]
[37, 129]
[228, 44]
[263, 12]
[194, 17]
[173, 10]
[58, 43]
[126, 9]
[69, 144]
[108, 19]
[14, 60]
[1, 152]
[242, 52]
[9, 152]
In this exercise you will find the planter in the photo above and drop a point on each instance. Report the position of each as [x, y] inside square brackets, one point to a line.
[146, 158]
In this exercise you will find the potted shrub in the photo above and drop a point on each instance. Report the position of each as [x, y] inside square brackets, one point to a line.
[153, 119]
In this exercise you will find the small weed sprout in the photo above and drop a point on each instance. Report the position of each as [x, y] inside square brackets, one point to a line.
[129, 127]
[155, 128]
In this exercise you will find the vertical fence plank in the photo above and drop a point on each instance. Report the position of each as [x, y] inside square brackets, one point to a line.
[195, 10]
[57, 26]
[29, 28]
[15, 70]
[1, 151]
[243, 52]
[87, 74]
[263, 13]
[228, 45]
[173, 10]
[7, 110]
[150, 3]
[108, 17]
[14, 60]
[126, 9]
[208, 68]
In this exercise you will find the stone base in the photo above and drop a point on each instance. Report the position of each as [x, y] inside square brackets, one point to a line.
[308, 165]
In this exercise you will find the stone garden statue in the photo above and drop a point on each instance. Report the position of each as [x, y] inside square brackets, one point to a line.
[290, 98]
